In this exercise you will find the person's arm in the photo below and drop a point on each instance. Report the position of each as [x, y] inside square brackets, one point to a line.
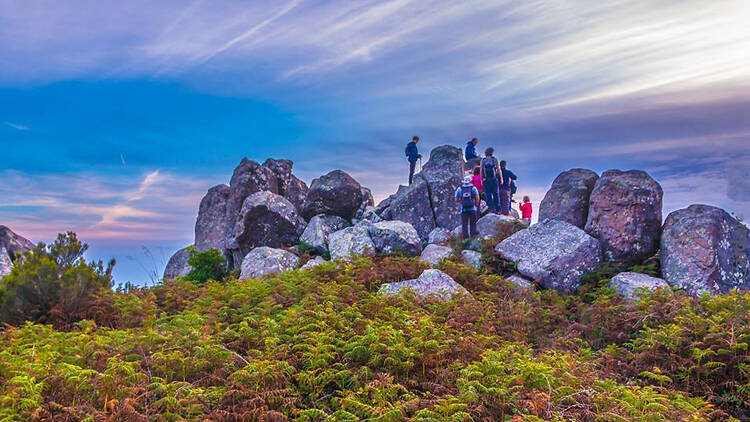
[499, 172]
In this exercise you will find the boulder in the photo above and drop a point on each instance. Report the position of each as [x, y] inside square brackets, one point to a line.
[471, 258]
[289, 186]
[351, 241]
[625, 215]
[704, 249]
[412, 205]
[314, 262]
[6, 265]
[335, 193]
[431, 283]
[439, 236]
[492, 225]
[519, 283]
[552, 253]
[433, 254]
[320, 228]
[368, 215]
[568, 197]
[178, 265]
[368, 203]
[264, 261]
[12, 246]
[248, 178]
[267, 219]
[395, 236]
[627, 284]
[214, 227]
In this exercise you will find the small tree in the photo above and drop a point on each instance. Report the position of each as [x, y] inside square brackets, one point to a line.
[207, 265]
[53, 284]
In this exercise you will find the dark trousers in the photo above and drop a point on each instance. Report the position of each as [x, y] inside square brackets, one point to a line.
[491, 193]
[505, 201]
[469, 223]
[412, 166]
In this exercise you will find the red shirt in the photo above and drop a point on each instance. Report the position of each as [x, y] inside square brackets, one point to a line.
[525, 210]
[476, 180]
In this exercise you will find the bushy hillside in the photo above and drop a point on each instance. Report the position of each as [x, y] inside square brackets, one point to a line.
[322, 345]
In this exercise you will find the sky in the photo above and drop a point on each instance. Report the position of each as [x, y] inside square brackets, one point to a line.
[116, 117]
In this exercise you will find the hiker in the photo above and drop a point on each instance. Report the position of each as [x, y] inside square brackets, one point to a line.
[412, 154]
[472, 159]
[525, 209]
[507, 178]
[476, 180]
[491, 175]
[467, 197]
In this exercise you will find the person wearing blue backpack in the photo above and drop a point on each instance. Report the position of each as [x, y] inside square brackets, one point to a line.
[467, 197]
[412, 155]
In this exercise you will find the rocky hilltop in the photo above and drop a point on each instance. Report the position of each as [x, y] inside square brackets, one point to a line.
[586, 220]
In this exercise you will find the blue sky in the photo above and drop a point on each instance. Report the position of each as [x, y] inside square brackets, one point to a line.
[116, 117]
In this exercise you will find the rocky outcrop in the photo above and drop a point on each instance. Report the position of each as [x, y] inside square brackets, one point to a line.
[350, 241]
[267, 219]
[214, 228]
[178, 265]
[12, 246]
[428, 202]
[628, 284]
[248, 178]
[625, 215]
[471, 258]
[704, 249]
[264, 261]
[568, 197]
[433, 254]
[320, 228]
[439, 236]
[335, 193]
[431, 283]
[289, 186]
[492, 225]
[395, 236]
[552, 253]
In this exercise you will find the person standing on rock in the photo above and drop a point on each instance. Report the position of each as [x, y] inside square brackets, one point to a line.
[491, 175]
[472, 159]
[506, 178]
[526, 211]
[412, 155]
[467, 197]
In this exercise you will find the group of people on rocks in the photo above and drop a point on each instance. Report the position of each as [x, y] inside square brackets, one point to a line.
[488, 179]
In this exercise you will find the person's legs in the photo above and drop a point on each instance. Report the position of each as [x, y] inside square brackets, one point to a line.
[473, 224]
[465, 216]
[505, 201]
[526, 221]
[490, 190]
[412, 166]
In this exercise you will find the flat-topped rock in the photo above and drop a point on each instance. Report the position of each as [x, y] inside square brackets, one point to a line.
[431, 283]
[351, 241]
[433, 254]
[395, 236]
[264, 261]
[628, 284]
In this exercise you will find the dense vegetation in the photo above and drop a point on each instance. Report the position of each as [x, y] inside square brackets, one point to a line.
[321, 345]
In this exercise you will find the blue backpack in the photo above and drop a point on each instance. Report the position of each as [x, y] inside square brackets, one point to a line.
[467, 200]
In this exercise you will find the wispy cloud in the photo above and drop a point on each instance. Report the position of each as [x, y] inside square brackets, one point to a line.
[17, 126]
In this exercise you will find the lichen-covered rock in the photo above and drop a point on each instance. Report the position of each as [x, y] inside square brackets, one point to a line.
[314, 262]
[395, 236]
[431, 283]
[519, 283]
[351, 241]
[627, 284]
[368, 203]
[412, 204]
[625, 215]
[12, 246]
[553, 253]
[335, 193]
[264, 261]
[568, 197]
[491, 225]
[368, 216]
[214, 227]
[178, 265]
[439, 236]
[320, 228]
[248, 178]
[704, 249]
[471, 258]
[433, 254]
[267, 219]
[289, 186]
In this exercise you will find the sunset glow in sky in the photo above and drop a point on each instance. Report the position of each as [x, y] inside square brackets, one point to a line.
[116, 117]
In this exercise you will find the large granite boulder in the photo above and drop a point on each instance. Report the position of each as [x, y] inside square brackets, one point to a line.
[625, 215]
[552, 253]
[12, 246]
[492, 225]
[433, 254]
[439, 236]
[429, 201]
[264, 261]
[289, 186]
[395, 236]
[178, 265]
[214, 226]
[320, 228]
[248, 178]
[704, 249]
[350, 241]
[267, 219]
[313, 262]
[431, 283]
[568, 197]
[628, 284]
[335, 193]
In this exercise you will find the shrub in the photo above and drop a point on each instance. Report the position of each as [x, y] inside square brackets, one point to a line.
[207, 265]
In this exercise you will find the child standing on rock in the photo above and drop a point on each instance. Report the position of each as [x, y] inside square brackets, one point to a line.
[525, 208]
